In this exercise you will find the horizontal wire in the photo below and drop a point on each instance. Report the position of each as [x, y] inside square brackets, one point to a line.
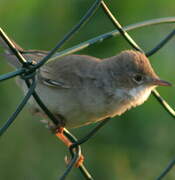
[111, 34]
[11, 74]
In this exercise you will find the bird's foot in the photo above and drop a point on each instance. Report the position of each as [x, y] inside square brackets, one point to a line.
[59, 132]
[68, 143]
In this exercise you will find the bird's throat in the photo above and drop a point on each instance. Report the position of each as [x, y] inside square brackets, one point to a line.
[139, 95]
[126, 99]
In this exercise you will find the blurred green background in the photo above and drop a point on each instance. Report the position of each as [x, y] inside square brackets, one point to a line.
[137, 145]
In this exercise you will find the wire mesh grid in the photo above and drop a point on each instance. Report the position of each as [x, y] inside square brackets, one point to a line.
[28, 71]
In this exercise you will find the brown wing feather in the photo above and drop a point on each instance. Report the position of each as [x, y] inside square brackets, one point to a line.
[69, 71]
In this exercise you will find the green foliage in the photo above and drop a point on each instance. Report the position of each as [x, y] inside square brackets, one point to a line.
[137, 145]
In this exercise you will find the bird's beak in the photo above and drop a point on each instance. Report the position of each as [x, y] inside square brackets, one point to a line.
[159, 82]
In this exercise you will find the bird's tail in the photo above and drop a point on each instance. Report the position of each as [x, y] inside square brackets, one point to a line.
[29, 55]
[8, 54]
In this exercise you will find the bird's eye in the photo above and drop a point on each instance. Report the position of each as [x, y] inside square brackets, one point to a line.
[138, 78]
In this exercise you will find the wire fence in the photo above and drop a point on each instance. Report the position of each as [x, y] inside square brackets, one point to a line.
[29, 69]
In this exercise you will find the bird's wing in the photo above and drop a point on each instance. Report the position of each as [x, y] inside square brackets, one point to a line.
[65, 72]
[69, 71]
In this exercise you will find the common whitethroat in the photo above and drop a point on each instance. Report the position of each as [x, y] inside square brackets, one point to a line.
[80, 89]
[83, 89]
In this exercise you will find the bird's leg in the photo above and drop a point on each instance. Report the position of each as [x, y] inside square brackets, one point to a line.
[60, 134]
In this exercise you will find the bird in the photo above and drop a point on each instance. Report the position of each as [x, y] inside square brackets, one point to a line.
[83, 89]
[80, 89]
